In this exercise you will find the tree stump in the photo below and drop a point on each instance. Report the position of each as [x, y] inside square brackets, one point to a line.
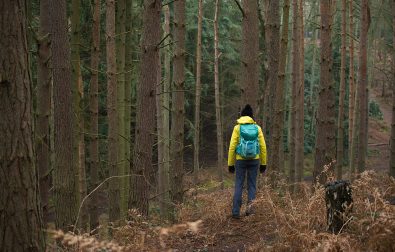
[338, 200]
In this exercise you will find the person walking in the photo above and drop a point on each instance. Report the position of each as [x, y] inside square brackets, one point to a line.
[247, 154]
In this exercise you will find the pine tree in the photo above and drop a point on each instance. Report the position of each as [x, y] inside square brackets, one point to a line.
[142, 169]
[43, 149]
[20, 221]
[325, 147]
[198, 91]
[64, 183]
[363, 87]
[218, 119]
[114, 188]
[178, 110]
[94, 115]
[340, 117]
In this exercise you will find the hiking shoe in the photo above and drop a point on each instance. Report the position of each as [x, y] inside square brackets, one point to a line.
[237, 217]
[250, 210]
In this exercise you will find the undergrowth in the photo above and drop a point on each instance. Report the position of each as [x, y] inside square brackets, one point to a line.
[282, 222]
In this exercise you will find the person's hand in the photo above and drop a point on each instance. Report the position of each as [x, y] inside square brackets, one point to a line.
[231, 169]
[262, 168]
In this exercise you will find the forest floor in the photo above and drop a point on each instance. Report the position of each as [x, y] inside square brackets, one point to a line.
[379, 134]
[283, 221]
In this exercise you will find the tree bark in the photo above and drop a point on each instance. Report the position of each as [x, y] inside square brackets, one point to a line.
[164, 173]
[142, 169]
[340, 117]
[294, 100]
[392, 159]
[325, 147]
[64, 171]
[273, 23]
[249, 54]
[363, 87]
[279, 117]
[120, 51]
[220, 141]
[351, 96]
[198, 90]
[299, 146]
[178, 110]
[20, 221]
[114, 188]
[78, 122]
[94, 116]
[128, 99]
[44, 83]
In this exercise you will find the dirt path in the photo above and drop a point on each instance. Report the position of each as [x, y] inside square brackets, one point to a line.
[379, 135]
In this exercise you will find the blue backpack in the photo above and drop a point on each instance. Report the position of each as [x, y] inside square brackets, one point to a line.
[248, 146]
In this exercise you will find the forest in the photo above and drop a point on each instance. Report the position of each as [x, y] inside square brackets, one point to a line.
[116, 118]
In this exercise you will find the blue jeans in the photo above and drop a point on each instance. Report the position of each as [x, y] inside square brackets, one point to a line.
[242, 167]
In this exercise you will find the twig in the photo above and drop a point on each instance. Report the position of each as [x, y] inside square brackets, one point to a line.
[94, 190]
[241, 9]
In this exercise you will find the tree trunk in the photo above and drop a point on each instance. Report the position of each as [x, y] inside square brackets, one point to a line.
[392, 159]
[299, 146]
[220, 141]
[178, 110]
[249, 54]
[279, 117]
[128, 100]
[351, 95]
[114, 188]
[363, 87]
[340, 118]
[198, 90]
[94, 116]
[78, 122]
[164, 173]
[294, 101]
[142, 169]
[120, 50]
[64, 171]
[275, 103]
[20, 222]
[44, 82]
[325, 147]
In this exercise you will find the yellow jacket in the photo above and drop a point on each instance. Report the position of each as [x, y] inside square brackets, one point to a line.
[232, 156]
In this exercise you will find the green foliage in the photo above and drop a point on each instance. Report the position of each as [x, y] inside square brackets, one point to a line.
[374, 110]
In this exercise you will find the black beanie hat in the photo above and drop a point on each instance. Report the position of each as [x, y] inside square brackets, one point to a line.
[247, 111]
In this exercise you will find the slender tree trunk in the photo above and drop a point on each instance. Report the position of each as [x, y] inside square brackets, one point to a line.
[197, 93]
[276, 104]
[128, 99]
[142, 169]
[352, 94]
[299, 150]
[164, 173]
[294, 98]
[392, 159]
[279, 119]
[220, 141]
[363, 87]
[94, 115]
[325, 147]
[249, 54]
[20, 222]
[120, 50]
[114, 188]
[44, 83]
[78, 122]
[178, 110]
[63, 175]
[340, 118]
